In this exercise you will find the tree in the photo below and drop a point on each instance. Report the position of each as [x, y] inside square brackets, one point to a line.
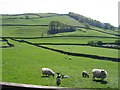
[26, 17]
[87, 25]
[100, 43]
[58, 27]
[95, 43]
[117, 42]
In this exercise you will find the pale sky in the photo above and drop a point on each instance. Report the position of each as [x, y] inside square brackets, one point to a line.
[102, 10]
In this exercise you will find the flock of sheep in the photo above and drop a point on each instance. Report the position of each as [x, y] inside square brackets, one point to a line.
[96, 73]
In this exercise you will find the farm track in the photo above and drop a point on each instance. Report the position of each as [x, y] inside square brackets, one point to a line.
[70, 53]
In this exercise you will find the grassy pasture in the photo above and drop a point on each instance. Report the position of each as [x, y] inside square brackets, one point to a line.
[22, 63]
[87, 50]
[24, 31]
[36, 31]
[27, 61]
[30, 15]
[3, 43]
[78, 40]
[106, 30]
[65, 19]
[84, 32]
[20, 16]
[47, 14]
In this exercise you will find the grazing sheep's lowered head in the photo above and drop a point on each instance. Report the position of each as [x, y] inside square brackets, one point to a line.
[85, 74]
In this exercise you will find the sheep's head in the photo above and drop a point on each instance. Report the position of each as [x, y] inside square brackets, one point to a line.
[104, 73]
[53, 74]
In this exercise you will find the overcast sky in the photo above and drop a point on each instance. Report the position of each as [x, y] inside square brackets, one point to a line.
[102, 10]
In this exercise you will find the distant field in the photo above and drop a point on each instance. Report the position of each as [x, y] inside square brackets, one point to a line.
[87, 50]
[45, 19]
[30, 15]
[79, 40]
[24, 31]
[3, 44]
[65, 19]
[38, 31]
[32, 59]
[84, 32]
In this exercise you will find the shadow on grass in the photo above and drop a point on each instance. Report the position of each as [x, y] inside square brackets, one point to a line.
[101, 81]
[44, 76]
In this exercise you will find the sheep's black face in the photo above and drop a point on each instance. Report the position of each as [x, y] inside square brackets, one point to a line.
[53, 75]
[103, 74]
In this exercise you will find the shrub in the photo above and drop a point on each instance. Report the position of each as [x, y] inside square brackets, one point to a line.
[95, 43]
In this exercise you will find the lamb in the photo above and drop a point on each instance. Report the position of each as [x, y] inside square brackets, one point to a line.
[58, 80]
[47, 72]
[64, 76]
[70, 58]
[85, 74]
[99, 73]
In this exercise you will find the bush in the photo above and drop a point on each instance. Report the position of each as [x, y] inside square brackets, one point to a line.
[95, 43]
[117, 42]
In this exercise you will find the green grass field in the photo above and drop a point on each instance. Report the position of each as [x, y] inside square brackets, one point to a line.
[3, 44]
[40, 21]
[90, 50]
[24, 31]
[84, 32]
[72, 40]
[23, 62]
[28, 60]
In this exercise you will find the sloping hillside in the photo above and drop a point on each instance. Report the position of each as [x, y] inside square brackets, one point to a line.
[39, 19]
[37, 24]
[88, 21]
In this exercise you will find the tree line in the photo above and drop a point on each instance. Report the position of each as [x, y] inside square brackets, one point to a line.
[59, 27]
[88, 21]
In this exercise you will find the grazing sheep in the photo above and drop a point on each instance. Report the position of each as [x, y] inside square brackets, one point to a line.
[70, 58]
[58, 80]
[99, 73]
[66, 56]
[47, 72]
[85, 74]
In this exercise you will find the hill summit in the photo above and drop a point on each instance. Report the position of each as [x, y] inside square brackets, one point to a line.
[90, 22]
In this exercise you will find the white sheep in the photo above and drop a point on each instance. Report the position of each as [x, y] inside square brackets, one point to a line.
[85, 74]
[47, 72]
[70, 58]
[99, 73]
